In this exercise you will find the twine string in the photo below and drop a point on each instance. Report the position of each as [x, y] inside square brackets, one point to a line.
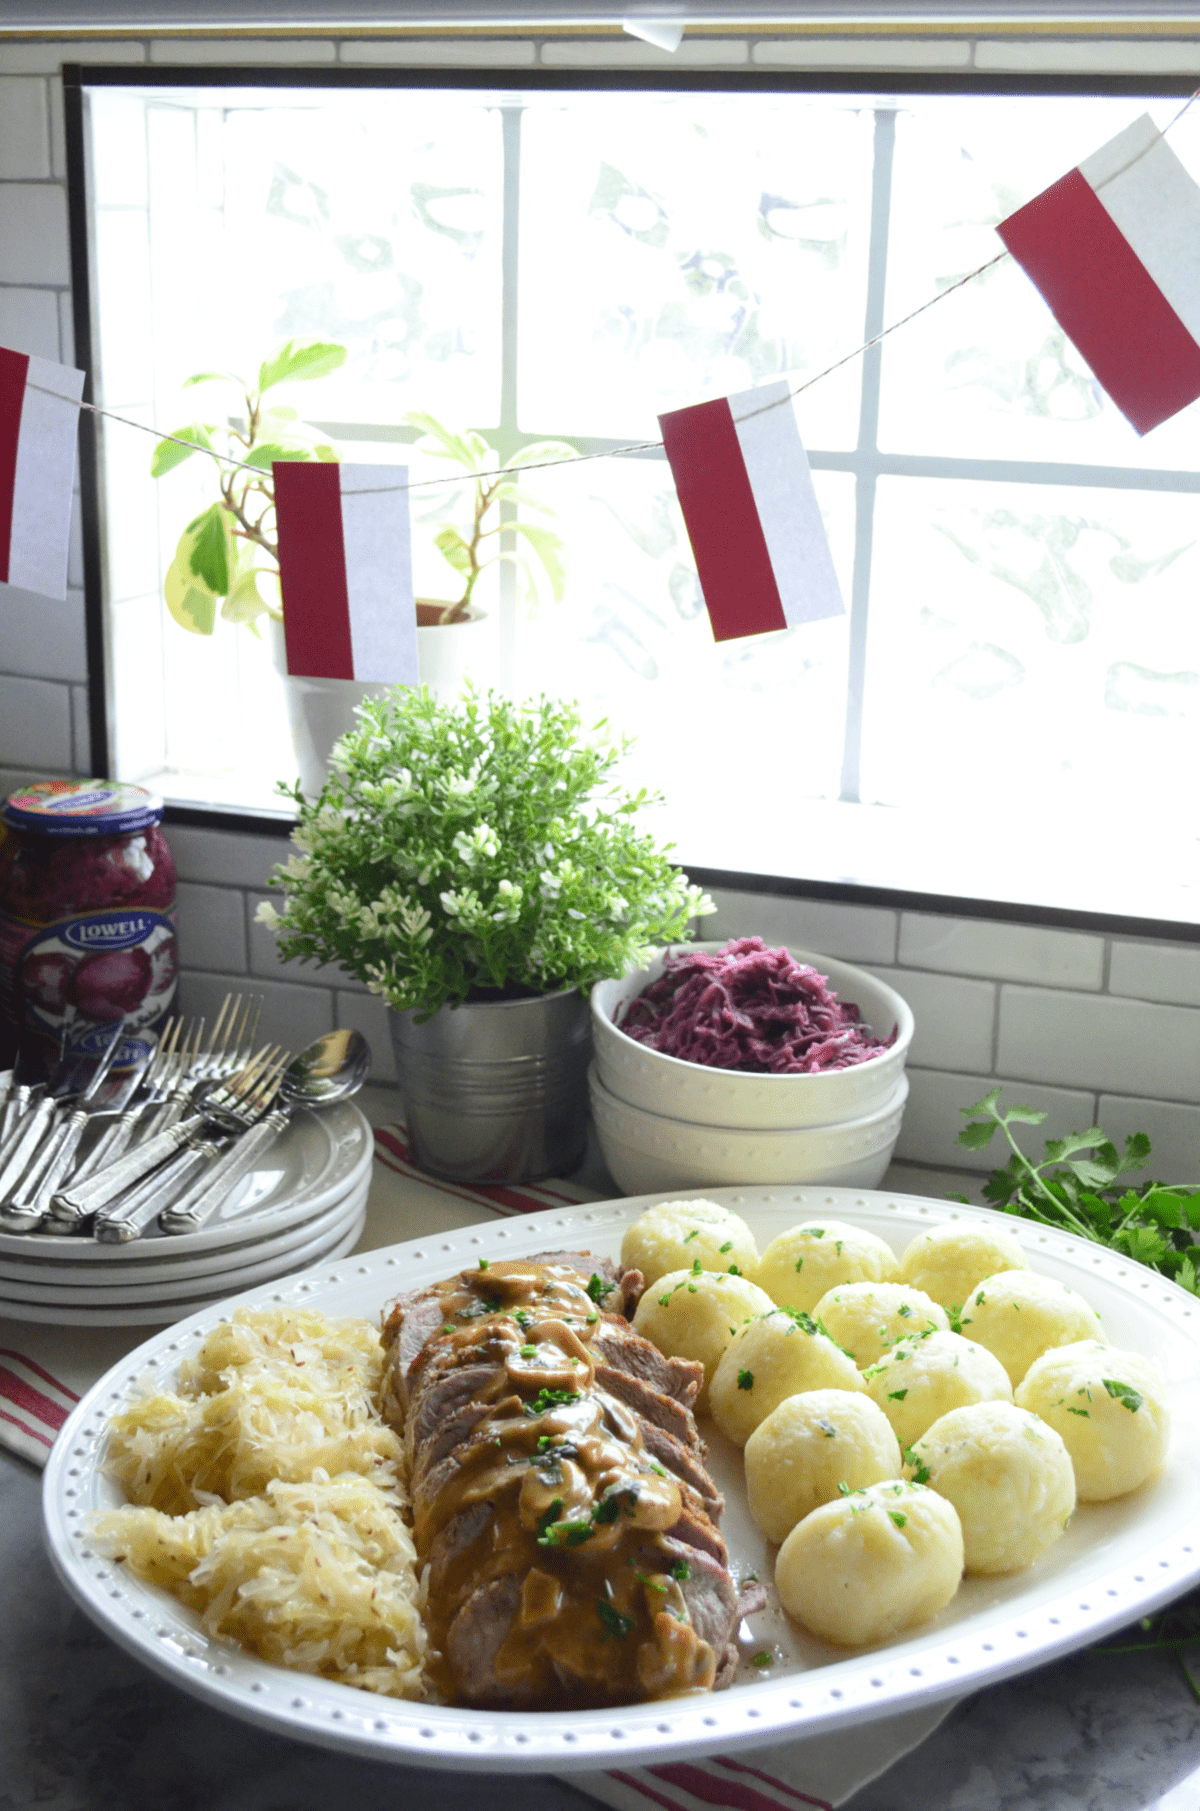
[617, 452]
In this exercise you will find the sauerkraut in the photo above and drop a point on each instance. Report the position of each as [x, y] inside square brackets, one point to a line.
[265, 1493]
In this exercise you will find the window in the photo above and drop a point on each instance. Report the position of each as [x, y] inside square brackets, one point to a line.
[1009, 709]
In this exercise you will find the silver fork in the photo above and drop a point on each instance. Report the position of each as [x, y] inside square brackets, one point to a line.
[28, 1206]
[203, 1164]
[215, 1107]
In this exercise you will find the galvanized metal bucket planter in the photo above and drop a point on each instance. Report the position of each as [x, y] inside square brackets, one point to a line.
[497, 1091]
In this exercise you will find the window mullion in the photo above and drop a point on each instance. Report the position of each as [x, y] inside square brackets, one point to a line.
[868, 427]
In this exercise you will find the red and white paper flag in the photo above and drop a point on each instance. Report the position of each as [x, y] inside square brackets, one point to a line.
[752, 515]
[39, 422]
[345, 570]
[1114, 247]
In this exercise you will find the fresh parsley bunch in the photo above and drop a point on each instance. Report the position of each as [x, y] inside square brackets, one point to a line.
[1079, 1186]
[462, 850]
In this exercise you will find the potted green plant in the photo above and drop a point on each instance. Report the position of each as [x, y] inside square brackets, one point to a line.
[479, 866]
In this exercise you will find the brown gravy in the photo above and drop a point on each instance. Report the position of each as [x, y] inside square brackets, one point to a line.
[579, 1509]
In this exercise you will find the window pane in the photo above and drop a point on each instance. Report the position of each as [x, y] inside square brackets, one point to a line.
[989, 373]
[674, 248]
[1032, 651]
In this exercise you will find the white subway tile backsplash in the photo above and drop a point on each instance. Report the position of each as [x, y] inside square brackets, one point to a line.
[849, 932]
[66, 335]
[47, 56]
[33, 233]
[955, 1018]
[460, 53]
[367, 1013]
[232, 858]
[58, 130]
[1173, 1131]
[291, 1016]
[862, 53]
[29, 321]
[81, 735]
[1156, 971]
[633, 53]
[266, 960]
[43, 637]
[1119, 56]
[933, 1118]
[201, 49]
[35, 725]
[1096, 1041]
[212, 928]
[24, 127]
[1004, 952]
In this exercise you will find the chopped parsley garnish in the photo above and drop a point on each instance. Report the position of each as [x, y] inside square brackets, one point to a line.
[598, 1289]
[449, 1327]
[523, 1317]
[897, 1516]
[1124, 1393]
[802, 1318]
[921, 1472]
[828, 1429]
[655, 1466]
[745, 1380]
[550, 1516]
[697, 1268]
[566, 1534]
[545, 1440]
[816, 1232]
[528, 1351]
[485, 1263]
[897, 1395]
[728, 1246]
[734, 1271]
[1083, 1412]
[614, 1620]
[664, 1301]
[799, 1263]
[694, 1234]
[760, 1659]
[681, 1570]
[545, 1400]
[607, 1510]
[904, 1310]
[838, 1248]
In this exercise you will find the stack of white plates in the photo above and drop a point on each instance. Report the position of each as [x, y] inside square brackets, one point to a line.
[306, 1202]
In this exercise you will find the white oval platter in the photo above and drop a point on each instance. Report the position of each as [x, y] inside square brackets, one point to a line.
[316, 1160]
[1116, 1562]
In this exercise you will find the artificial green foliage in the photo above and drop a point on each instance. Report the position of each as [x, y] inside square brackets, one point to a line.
[216, 568]
[1080, 1186]
[458, 849]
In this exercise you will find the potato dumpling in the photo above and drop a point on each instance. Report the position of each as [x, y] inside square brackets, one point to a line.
[801, 1265]
[872, 1564]
[949, 1260]
[1109, 1407]
[673, 1234]
[810, 1446]
[1019, 1314]
[918, 1381]
[695, 1314]
[867, 1318]
[1008, 1475]
[777, 1355]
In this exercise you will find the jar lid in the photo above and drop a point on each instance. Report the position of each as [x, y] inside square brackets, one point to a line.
[82, 808]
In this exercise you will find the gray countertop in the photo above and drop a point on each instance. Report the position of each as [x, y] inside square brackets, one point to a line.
[83, 1728]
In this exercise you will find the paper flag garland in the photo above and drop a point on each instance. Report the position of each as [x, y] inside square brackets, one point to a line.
[752, 516]
[39, 421]
[345, 570]
[1114, 247]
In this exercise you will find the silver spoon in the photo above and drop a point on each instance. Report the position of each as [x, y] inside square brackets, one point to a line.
[331, 1069]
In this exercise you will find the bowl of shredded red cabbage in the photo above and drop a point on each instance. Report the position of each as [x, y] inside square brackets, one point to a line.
[740, 1034]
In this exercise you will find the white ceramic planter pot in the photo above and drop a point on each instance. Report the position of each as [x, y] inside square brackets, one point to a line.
[321, 710]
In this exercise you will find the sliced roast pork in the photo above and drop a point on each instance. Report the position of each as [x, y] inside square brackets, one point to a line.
[561, 1500]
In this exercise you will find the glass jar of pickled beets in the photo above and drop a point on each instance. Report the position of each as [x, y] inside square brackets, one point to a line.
[87, 920]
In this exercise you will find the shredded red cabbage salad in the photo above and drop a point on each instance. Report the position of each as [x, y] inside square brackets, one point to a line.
[747, 1007]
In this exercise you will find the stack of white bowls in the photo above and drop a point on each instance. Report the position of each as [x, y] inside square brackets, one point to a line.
[666, 1124]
